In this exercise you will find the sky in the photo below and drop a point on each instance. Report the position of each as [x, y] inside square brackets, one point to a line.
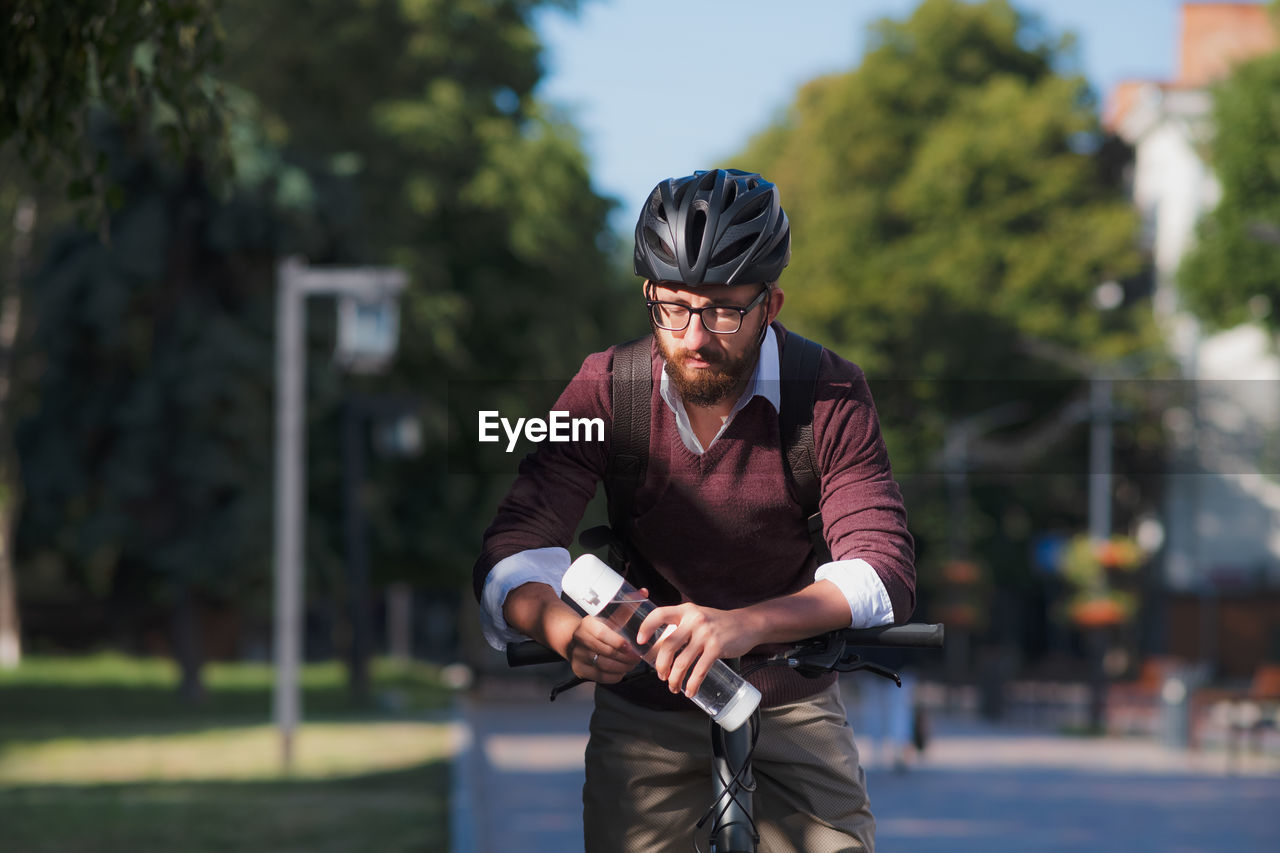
[659, 88]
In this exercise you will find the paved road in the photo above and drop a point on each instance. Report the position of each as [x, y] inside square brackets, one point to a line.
[979, 788]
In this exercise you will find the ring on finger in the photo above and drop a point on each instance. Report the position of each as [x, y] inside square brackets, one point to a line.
[595, 657]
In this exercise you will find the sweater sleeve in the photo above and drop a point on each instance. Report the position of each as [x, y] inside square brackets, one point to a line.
[862, 509]
[555, 482]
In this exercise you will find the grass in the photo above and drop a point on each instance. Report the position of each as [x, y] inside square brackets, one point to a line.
[99, 754]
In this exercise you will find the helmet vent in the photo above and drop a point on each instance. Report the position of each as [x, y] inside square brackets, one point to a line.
[734, 251]
[754, 208]
[780, 249]
[680, 192]
[658, 246]
[730, 195]
[695, 226]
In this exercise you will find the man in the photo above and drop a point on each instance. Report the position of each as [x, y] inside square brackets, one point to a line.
[716, 537]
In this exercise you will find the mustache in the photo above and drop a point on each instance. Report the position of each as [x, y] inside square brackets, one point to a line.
[709, 356]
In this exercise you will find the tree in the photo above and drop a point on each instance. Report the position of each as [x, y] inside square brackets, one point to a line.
[1232, 275]
[422, 117]
[63, 66]
[138, 61]
[144, 452]
[949, 208]
[376, 133]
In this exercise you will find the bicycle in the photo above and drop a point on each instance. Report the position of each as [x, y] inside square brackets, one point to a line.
[733, 828]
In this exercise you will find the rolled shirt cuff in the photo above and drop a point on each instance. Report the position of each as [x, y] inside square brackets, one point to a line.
[869, 604]
[539, 565]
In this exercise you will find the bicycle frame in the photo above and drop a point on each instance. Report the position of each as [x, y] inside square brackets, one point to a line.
[732, 782]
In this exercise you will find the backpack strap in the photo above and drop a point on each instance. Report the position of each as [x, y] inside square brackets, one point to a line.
[799, 372]
[629, 448]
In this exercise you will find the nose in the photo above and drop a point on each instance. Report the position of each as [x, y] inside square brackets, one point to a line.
[695, 334]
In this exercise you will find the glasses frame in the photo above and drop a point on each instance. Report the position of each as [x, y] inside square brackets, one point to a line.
[743, 311]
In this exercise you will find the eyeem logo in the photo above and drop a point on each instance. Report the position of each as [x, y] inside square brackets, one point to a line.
[558, 427]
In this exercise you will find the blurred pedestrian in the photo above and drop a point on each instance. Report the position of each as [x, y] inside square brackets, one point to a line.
[892, 726]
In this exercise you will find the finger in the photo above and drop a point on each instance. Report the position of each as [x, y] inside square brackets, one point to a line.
[681, 667]
[598, 636]
[597, 648]
[655, 620]
[669, 645]
[613, 668]
[698, 674]
[594, 666]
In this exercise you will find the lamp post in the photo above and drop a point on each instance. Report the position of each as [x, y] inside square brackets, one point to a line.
[367, 339]
[399, 438]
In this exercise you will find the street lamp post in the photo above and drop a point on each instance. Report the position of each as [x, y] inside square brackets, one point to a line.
[368, 295]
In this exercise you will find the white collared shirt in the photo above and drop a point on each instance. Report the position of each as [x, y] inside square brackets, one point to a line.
[862, 588]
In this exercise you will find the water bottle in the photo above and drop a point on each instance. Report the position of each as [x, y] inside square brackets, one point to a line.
[603, 593]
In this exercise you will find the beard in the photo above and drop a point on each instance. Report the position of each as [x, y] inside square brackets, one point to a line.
[706, 386]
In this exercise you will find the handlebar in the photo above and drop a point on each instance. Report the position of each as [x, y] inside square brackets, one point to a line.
[530, 653]
[917, 635]
[911, 635]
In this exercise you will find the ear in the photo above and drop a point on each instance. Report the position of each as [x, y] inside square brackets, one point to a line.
[776, 298]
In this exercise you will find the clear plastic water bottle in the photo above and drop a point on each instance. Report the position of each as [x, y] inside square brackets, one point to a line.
[603, 593]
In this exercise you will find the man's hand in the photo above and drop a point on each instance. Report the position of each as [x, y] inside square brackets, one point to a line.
[702, 635]
[598, 653]
[594, 650]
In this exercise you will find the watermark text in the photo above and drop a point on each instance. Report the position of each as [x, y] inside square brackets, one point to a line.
[558, 427]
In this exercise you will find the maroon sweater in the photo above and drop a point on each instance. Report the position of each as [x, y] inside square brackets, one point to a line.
[722, 529]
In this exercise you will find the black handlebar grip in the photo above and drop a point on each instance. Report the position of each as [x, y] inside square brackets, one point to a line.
[530, 653]
[913, 635]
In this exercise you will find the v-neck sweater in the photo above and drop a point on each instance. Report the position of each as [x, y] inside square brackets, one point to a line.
[722, 528]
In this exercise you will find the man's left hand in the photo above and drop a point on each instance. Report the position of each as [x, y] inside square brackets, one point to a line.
[702, 636]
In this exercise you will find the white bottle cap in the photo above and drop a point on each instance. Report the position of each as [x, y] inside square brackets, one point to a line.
[591, 583]
[739, 707]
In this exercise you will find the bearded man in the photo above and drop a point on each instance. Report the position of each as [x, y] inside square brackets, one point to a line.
[715, 536]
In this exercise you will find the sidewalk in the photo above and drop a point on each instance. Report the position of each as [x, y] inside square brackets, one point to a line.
[518, 779]
[978, 787]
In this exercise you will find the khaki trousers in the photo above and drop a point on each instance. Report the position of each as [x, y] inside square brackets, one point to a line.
[649, 779]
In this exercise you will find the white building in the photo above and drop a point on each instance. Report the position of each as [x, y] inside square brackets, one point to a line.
[1222, 519]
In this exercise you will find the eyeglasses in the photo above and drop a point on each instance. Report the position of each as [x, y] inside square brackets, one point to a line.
[718, 319]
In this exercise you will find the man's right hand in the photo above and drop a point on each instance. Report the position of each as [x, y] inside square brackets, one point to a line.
[594, 650]
[599, 653]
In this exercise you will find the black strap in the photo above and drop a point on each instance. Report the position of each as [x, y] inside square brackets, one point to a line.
[799, 371]
[629, 448]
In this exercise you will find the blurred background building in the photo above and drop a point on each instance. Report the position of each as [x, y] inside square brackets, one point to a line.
[1221, 555]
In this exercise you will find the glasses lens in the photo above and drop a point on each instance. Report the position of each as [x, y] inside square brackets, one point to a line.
[722, 320]
[673, 318]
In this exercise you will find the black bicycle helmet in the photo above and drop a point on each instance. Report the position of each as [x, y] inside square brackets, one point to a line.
[725, 226]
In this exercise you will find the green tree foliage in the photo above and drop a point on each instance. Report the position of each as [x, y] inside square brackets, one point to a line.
[140, 61]
[1233, 273]
[947, 174]
[363, 132]
[949, 205]
[146, 450]
[420, 118]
